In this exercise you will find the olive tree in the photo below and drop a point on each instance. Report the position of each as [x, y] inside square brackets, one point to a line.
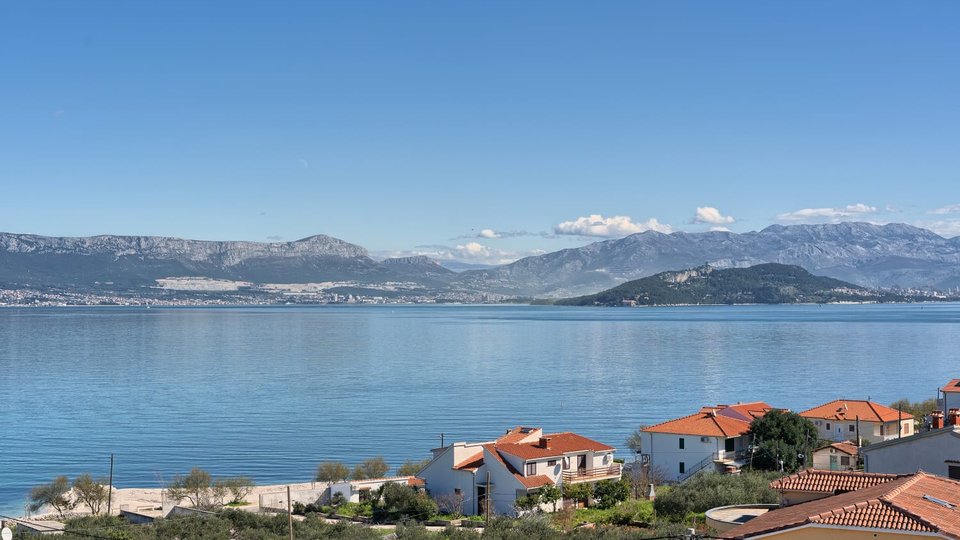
[375, 467]
[331, 471]
[239, 487]
[197, 487]
[90, 492]
[55, 494]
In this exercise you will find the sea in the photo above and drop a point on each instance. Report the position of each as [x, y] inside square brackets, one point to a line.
[270, 392]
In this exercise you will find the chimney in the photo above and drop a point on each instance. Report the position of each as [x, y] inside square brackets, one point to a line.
[953, 416]
[542, 443]
[936, 419]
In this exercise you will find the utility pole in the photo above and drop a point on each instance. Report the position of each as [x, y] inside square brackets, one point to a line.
[900, 420]
[289, 514]
[110, 488]
[486, 498]
[858, 432]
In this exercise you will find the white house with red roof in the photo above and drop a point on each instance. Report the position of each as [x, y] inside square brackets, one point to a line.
[951, 398]
[713, 439]
[838, 421]
[523, 460]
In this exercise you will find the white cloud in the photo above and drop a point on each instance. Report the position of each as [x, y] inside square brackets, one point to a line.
[719, 229]
[709, 214]
[949, 209]
[611, 227]
[489, 233]
[947, 228]
[856, 211]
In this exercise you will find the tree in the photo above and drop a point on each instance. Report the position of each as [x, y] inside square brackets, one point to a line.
[92, 493]
[611, 492]
[331, 471]
[374, 467]
[55, 494]
[782, 436]
[410, 467]
[550, 494]
[578, 492]
[197, 487]
[527, 502]
[239, 487]
[918, 409]
[633, 442]
[710, 490]
[450, 503]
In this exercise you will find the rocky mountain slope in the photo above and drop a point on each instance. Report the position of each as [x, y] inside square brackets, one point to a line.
[862, 253]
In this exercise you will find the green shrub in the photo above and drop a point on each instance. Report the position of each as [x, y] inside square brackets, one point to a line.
[706, 491]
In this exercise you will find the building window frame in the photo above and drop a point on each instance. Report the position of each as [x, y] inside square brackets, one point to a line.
[531, 468]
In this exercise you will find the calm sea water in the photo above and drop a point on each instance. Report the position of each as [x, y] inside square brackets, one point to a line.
[270, 392]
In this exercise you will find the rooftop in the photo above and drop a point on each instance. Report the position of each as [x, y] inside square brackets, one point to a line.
[822, 481]
[952, 386]
[852, 409]
[846, 447]
[919, 502]
[719, 421]
[556, 445]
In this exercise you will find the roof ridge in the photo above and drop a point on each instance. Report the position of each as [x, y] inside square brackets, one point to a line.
[898, 489]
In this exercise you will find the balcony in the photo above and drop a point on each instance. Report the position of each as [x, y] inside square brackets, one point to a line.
[592, 475]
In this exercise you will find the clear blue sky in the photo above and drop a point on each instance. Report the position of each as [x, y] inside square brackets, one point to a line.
[413, 126]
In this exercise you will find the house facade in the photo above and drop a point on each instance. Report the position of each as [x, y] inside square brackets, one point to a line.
[936, 452]
[842, 420]
[522, 461]
[950, 396]
[713, 439]
[839, 456]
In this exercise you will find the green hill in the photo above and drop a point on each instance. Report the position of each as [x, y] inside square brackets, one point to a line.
[761, 284]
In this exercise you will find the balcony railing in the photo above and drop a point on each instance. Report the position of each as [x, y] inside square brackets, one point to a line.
[586, 475]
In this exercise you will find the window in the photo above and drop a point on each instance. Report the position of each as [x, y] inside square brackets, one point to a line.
[953, 471]
[881, 430]
[845, 461]
[852, 428]
[531, 469]
[551, 463]
[828, 426]
[729, 445]
[681, 443]
[683, 467]
[456, 491]
[566, 462]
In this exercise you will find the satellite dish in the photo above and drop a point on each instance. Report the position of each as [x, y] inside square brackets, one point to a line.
[6, 534]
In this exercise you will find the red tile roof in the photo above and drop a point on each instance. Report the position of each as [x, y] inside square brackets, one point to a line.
[821, 481]
[518, 434]
[952, 386]
[846, 447]
[473, 462]
[414, 481]
[745, 411]
[558, 444]
[704, 423]
[903, 504]
[529, 482]
[851, 409]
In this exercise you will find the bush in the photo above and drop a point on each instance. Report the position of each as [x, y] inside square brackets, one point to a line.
[709, 490]
[395, 502]
[611, 492]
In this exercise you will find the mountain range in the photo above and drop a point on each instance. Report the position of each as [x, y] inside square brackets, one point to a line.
[894, 255]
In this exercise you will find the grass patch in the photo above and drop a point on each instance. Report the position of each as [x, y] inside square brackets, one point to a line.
[236, 504]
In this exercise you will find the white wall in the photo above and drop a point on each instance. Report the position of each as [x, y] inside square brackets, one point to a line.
[441, 479]
[951, 401]
[841, 430]
[928, 451]
[665, 453]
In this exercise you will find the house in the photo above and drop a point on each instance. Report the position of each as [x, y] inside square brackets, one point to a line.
[838, 456]
[936, 452]
[838, 420]
[713, 439]
[523, 460]
[812, 484]
[39, 527]
[951, 396]
[915, 506]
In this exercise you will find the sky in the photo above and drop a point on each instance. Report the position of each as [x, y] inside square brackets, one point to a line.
[476, 131]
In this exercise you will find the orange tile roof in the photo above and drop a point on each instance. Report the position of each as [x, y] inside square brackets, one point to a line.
[558, 444]
[704, 423]
[846, 447]
[414, 481]
[901, 504]
[529, 482]
[745, 411]
[952, 386]
[517, 434]
[473, 462]
[851, 409]
[822, 481]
